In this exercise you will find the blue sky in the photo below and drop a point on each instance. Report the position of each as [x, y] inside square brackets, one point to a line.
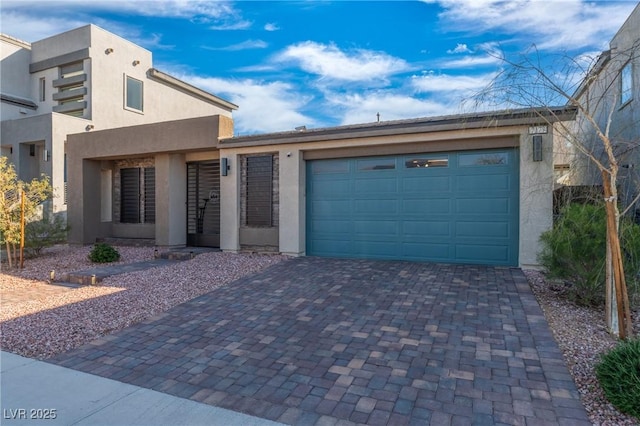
[329, 63]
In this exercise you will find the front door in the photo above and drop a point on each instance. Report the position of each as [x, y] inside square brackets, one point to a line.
[203, 203]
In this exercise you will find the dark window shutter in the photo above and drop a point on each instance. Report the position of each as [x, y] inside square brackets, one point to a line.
[150, 195]
[259, 190]
[130, 195]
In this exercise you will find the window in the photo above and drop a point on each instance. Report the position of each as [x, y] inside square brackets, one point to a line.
[133, 94]
[42, 96]
[416, 163]
[377, 164]
[488, 159]
[626, 84]
[259, 190]
[71, 91]
[137, 195]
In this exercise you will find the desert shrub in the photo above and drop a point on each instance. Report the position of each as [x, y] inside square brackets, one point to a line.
[45, 233]
[103, 253]
[619, 375]
[574, 250]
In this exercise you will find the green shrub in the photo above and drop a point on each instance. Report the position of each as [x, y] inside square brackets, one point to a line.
[103, 253]
[574, 250]
[619, 376]
[45, 233]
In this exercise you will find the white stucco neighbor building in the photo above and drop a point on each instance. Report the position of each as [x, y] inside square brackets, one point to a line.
[82, 81]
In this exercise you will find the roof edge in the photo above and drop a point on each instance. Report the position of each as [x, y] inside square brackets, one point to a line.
[504, 118]
[15, 41]
[18, 101]
[192, 90]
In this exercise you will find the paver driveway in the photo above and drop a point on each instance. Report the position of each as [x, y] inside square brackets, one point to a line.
[325, 341]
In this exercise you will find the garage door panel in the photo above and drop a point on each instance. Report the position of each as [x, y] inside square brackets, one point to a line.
[333, 247]
[433, 251]
[482, 253]
[332, 188]
[426, 184]
[425, 229]
[331, 208]
[375, 207]
[483, 205]
[330, 227]
[375, 249]
[479, 229]
[429, 207]
[376, 185]
[496, 182]
[376, 228]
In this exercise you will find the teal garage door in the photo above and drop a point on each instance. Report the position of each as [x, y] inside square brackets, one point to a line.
[456, 207]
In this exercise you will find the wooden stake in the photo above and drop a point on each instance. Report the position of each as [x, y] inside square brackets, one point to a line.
[21, 229]
[622, 297]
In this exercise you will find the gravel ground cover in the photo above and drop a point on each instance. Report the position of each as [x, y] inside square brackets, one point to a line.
[46, 325]
[582, 336]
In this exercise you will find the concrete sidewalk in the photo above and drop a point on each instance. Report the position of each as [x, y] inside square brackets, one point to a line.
[32, 390]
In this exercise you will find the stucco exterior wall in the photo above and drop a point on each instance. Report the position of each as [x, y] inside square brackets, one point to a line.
[170, 144]
[14, 60]
[536, 179]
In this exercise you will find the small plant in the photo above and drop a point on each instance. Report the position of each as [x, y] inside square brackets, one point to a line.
[103, 253]
[619, 376]
[574, 250]
[45, 233]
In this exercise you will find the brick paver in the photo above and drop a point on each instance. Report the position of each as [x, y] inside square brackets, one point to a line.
[325, 341]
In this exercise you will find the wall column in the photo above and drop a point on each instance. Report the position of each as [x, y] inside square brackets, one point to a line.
[292, 203]
[171, 199]
[230, 203]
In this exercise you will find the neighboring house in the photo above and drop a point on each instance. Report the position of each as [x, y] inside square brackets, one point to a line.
[611, 95]
[87, 80]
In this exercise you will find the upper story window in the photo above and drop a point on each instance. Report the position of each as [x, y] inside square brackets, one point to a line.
[42, 88]
[71, 91]
[626, 84]
[134, 94]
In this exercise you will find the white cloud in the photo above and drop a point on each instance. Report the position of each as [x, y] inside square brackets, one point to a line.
[248, 44]
[31, 28]
[363, 108]
[451, 83]
[271, 27]
[203, 9]
[460, 48]
[264, 106]
[569, 24]
[232, 25]
[328, 61]
[472, 61]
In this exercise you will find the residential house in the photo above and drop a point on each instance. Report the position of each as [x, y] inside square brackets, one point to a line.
[87, 80]
[472, 188]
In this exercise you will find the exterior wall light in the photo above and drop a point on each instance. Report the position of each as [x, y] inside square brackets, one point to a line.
[136, 62]
[108, 51]
[225, 166]
[537, 147]
[89, 127]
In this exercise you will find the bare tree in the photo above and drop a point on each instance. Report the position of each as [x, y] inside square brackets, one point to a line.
[600, 137]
